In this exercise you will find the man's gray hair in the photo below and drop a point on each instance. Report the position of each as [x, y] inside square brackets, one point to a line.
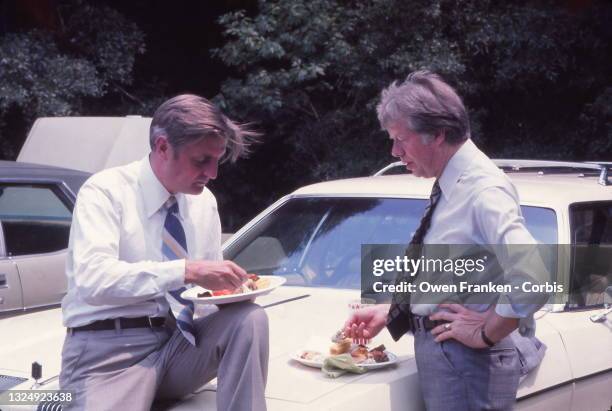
[186, 118]
[426, 105]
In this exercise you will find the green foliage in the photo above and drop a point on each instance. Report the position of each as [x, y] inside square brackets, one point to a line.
[55, 74]
[34, 75]
[310, 71]
[112, 43]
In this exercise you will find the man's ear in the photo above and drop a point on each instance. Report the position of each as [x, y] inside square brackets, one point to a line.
[161, 147]
[440, 138]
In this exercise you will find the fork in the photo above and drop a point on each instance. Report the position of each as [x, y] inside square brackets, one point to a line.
[361, 341]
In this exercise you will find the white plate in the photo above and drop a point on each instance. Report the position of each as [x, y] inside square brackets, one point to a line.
[192, 293]
[319, 364]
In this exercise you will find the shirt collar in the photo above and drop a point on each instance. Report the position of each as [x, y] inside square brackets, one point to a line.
[154, 193]
[456, 166]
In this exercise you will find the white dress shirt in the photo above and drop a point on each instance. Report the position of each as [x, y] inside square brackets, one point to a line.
[479, 205]
[115, 265]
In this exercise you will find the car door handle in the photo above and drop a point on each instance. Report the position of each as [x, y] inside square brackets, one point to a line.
[3, 283]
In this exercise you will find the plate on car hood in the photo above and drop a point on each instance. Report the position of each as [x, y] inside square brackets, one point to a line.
[295, 315]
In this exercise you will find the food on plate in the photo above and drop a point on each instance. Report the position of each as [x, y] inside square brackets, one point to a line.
[341, 344]
[359, 352]
[261, 283]
[378, 354]
[254, 282]
[312, 356]
[340, 347]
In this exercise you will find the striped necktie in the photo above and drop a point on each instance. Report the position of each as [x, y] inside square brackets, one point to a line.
[398, 320]
[174, 247]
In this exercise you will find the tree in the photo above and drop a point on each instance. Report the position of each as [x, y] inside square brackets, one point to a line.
[63, 71]
[533, 74]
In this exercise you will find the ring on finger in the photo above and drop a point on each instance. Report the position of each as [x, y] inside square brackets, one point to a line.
[447, 326]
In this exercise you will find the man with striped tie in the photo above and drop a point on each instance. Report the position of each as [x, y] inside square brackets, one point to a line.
[142, 233]
[465, 355]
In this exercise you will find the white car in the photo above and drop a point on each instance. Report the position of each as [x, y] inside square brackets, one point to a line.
[313, 236]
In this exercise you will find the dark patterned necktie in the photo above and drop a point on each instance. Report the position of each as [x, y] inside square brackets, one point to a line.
[174, 247]
[398, 319]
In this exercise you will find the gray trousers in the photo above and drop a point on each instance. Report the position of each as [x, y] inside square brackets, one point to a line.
[129, 369]
[456, 377]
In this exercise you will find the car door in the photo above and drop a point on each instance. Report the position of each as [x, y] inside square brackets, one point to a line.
[588, 343]
[35, 219]
[10, 287]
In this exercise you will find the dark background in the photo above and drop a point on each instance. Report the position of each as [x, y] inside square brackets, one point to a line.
[535, 75]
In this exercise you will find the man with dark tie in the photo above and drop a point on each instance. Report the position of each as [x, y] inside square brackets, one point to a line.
[142, 233]
[457, 347]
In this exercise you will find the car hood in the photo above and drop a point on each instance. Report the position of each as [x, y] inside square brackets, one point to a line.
[302, 318]
[296, 314]
[33, 336]
[88, 144]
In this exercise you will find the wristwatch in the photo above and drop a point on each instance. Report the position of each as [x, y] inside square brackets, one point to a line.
[484, 337]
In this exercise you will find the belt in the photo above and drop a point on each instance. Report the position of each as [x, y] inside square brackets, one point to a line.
[120, 323]
[419, 323]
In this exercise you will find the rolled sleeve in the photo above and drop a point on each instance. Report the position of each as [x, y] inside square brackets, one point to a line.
[524, 312]
[502, 225]
[99, 276]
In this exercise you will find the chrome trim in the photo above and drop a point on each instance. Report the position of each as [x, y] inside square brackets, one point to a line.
[388, 167]
[2, 242]
[518, 164]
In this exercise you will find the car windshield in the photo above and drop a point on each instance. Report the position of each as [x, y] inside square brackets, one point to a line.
[317, 241]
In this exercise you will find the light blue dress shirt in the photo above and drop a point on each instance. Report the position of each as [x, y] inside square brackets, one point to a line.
[479, 205]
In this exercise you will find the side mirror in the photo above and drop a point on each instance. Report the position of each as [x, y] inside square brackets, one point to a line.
[608, 297]
[602, 316]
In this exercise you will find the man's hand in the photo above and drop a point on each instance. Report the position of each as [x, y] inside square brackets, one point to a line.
[465, 325]
[215, 275]
[366, 323]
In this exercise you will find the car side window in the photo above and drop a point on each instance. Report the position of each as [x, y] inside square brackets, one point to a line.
[541, 223]
[35, 219]
[591, 229]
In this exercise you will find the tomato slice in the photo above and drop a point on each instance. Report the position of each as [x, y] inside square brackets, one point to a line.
[221, 292]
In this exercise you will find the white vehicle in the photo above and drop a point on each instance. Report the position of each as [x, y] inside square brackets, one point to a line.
[313, 238]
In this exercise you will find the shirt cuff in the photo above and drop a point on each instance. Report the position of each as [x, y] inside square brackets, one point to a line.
[526, 325]
[173, 276]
